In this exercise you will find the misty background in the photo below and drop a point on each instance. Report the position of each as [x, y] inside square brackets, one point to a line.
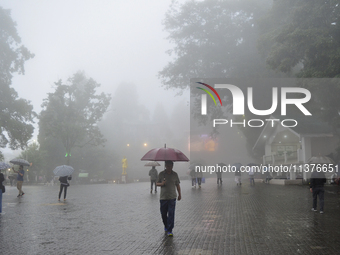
[110, 79]
[120, 44]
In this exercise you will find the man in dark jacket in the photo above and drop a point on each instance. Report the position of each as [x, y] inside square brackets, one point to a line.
[317, 181]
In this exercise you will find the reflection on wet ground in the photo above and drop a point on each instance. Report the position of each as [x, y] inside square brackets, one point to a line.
[125, 219]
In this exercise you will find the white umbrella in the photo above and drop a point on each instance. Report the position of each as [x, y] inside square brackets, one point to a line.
[4, 165]
[19, 161]
[320, 160]
[152, 163]
[63, 170]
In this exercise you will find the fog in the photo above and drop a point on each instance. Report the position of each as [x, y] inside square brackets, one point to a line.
[112, 42]
[132, 47]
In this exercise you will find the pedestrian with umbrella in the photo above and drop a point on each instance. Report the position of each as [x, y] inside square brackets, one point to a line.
[168, 181]
[21, 173]
[238, 173]
[219, 173]
[65, 173]
[153, 173]
[3, 166]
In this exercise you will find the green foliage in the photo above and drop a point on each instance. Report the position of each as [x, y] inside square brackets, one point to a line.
[72, 112]
[213, 39]
[16, 114]
[302, 35]
[37, 158]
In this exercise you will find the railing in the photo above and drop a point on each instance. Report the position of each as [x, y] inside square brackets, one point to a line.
[282, 158]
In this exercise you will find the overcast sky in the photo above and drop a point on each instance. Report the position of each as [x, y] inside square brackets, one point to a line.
[111, 40]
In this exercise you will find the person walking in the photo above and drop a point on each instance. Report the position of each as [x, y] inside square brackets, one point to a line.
[317, 181]
[199, 176]
[20, 180]
[251, 175]
[153, 173]
[238, 174]
[2, 178]
[63, 185]
[193, 177]
[168, 181]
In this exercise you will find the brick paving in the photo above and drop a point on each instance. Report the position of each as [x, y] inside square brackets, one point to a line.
[125, 219]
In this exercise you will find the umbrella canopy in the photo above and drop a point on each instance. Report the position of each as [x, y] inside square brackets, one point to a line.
[152, 163]
[4, 165]
[320, 160]
[63, 170]
[237, 165]
[163, 154]
[19, 161]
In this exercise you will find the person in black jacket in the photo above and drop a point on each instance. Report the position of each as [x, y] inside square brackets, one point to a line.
[1, 180]
[63, 185]
[317, 181]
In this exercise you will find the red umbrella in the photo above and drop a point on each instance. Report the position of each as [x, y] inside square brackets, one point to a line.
[162, 154]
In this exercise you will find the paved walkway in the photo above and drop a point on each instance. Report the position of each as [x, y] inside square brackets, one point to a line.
[125, 219]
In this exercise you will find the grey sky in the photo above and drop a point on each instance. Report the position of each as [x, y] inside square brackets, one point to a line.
[111, 40]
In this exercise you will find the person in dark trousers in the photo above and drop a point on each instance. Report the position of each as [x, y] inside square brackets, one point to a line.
[317, 181]
[199, 178]
[168, 181]
[219, 177]
[63, 185]
[2, 178]
[20, 179]
[153, 178]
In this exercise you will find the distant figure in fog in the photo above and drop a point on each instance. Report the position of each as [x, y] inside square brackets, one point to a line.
[2, 178]
[251, 174]
[219, 173]
[153, 178]
[20, 179]
[219, 177]
[199, 176]
[193, 177]
[317, 181]
[238, 174]
[63, 185]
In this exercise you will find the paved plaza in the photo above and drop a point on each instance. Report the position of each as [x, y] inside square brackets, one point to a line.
[125, 219]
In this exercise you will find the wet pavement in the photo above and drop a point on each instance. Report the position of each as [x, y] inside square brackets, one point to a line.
[125, 219]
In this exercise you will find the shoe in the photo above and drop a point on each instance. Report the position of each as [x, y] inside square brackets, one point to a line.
[170, 234]
[165, 229]
[155, 191]
[23, 193]
[314, 210]
[58, 199]
[199, 186]
[321, 212]
[18, 195]
[151, 191]
[65, 199]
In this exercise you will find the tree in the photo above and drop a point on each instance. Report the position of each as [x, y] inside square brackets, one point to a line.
[37, 158]
[72, 113]
[127, 127]
[303, 35]
[213, 39]
[16, 114]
